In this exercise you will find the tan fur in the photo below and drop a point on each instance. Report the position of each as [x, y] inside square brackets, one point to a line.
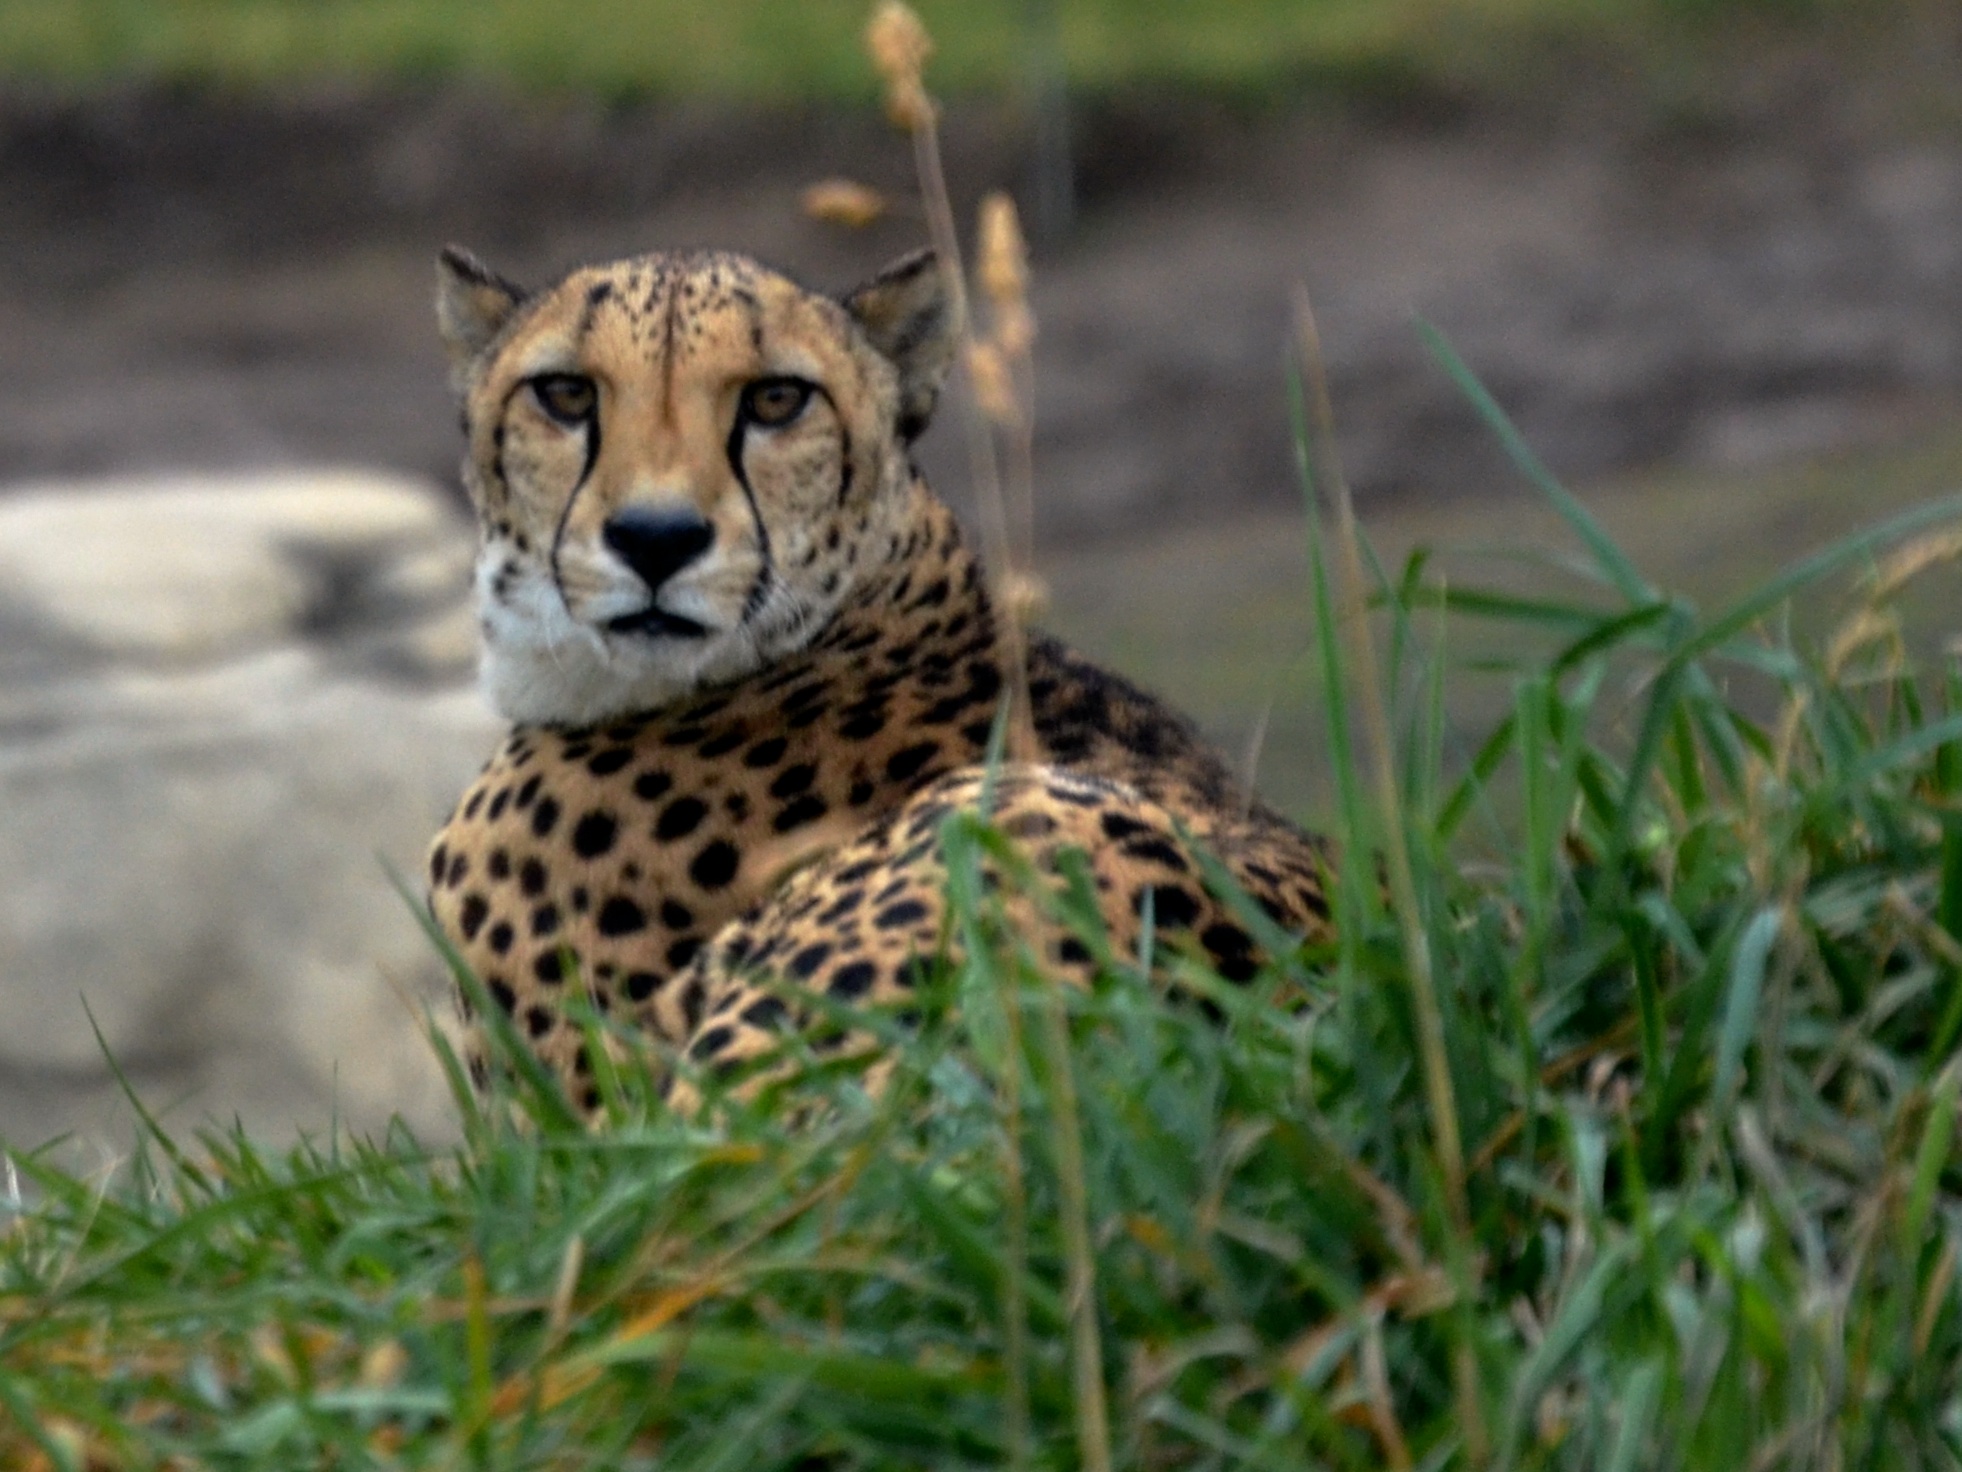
[666, 797]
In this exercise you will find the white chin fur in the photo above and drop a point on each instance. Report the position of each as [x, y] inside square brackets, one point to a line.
[540, 666]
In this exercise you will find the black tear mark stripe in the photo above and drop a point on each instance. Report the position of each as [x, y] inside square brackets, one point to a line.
[766, 571]
[572, 500]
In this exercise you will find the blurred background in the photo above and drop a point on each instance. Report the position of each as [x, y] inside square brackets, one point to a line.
[1707, 252]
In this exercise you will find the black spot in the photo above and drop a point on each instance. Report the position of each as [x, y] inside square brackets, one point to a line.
[499, 801]
[545, 816]
[500, 864]
[683, 736]
[736, 805]
[1158, 851]
[621, 916]
[471, 918]
[581, 900]
[807, 809]
[439, 860]
[527, 792]
[1172, 907]
[545, 920]
[793, 780]
[722, 745]
[680, 818]
[710, 1043]
[854, 979]
[809, 959]
[764, 1012]
[476, 802]
[715, 865]
[651, 786]
[683, 951]
[802, 696]
[549, 967]
[945, 710]
[538, 1021]
[692, 997]
[907, 761]
[459, 867]
[531, 877]
[607, 762]
[594, 834]
[1119, 826]
[859, 727]
[1072, 951]
[576, 751]
[1232, 951]
[860, 794]
[1238, 968]
[906, 912]
[675, 915]
[842, 906]
[500, 938]
[766, 753]
[501, 994]
[641, 984]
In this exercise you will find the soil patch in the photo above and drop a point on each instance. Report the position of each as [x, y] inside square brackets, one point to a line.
[215, 281]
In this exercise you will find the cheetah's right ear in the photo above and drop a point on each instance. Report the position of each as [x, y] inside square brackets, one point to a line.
[908, 313]
[472, 303]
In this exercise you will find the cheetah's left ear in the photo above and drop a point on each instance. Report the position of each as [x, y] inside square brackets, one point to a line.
[908, 313]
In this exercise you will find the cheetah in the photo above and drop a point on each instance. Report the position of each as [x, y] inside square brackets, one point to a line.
[751, 664]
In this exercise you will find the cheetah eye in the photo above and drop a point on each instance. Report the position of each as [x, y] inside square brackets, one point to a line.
[775, 402]
[568, 398]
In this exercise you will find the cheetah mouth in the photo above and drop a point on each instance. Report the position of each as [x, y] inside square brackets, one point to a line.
[657, 623]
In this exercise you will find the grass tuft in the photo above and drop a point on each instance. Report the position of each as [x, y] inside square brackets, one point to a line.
[1691, 920]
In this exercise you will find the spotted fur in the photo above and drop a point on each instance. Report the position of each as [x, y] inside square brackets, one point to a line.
[750, 663]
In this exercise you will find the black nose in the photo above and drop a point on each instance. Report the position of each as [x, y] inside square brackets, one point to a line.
[657, 544]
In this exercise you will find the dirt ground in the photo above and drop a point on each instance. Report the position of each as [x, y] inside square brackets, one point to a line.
[190, 280]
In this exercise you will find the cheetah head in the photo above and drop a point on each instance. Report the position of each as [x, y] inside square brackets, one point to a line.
[682, 465]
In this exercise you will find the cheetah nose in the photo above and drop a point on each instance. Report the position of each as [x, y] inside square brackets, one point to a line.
[657, 544]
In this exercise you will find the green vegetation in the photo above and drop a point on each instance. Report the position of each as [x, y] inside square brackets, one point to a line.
[809, 48]
[1212, 614]
[1616, 1132]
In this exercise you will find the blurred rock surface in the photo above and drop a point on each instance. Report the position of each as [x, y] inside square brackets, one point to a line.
[226, 705]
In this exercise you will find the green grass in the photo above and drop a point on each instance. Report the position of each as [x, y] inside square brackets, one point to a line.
[1213, 616]
[1678, 1185]
[776, 49]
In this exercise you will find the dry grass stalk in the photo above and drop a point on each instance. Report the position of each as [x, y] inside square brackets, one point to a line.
[899, 46]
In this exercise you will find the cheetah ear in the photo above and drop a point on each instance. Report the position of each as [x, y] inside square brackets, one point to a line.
[472, 303]
[908, 313]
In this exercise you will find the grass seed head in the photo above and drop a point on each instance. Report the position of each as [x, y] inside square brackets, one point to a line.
[899, 45]
[844, 202]
[994, 385]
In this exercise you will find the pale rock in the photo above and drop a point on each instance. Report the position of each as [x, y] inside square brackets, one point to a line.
[228, 709]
